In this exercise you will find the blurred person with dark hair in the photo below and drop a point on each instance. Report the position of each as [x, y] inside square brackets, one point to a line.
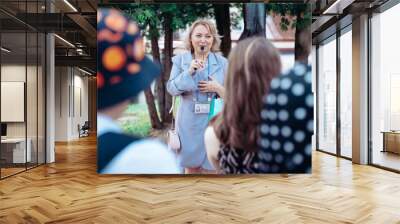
[123, 71]
[231, 139]
[196, 77]
[287, 117]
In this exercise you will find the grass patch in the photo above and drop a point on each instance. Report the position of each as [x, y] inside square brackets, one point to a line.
[136, 120]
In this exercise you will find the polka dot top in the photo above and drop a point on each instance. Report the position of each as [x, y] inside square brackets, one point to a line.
[287, 124]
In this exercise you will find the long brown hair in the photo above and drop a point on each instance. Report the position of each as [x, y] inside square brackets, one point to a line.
[253, 63]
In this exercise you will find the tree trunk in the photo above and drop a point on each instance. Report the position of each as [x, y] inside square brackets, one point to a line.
[223, 21]
[168, 48]
[159, 85]
[155, 121]
[302, 43]
[297, 46]
[254, 20]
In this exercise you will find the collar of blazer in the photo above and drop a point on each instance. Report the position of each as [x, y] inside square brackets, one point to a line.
[215, 64]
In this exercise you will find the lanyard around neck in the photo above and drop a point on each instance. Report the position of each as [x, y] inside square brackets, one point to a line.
[196, 98]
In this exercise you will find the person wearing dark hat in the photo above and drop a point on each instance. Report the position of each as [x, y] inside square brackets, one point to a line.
[123, 72]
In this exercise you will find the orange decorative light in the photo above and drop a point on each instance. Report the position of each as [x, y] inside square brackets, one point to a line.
[138, 52]
[116, 22]
[114, 58]
[132, 28]
[100, 80]
[108, 36]
[133, 68]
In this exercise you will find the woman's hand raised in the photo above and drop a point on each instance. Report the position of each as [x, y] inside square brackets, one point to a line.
[196, 64]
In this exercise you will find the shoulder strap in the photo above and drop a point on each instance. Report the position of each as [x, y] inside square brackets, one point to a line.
[109, 145]
[172, 106]
[172, 112]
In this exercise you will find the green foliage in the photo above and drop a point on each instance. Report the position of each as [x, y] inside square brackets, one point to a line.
[136, 120]
[144, 15]
[304, 10]
[236, 17]
[155, 14]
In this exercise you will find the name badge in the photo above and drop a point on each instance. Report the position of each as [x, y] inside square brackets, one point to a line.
[201, 108]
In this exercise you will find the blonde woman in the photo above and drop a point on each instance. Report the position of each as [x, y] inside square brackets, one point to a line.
[196, 76]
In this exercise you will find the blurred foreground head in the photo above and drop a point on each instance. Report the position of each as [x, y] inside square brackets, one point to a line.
[123, 70]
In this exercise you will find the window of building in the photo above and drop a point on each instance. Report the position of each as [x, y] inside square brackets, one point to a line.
[327, 96]
[385, 89]
[22, 77]
[346, 93]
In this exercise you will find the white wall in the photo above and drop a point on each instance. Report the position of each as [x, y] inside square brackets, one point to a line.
[33, 126]
[61, 103]
[12, 73]
[80, 101]
[71, 94]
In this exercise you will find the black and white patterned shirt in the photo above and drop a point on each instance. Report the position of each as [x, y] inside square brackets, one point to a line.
[287, 123]
[236, 161]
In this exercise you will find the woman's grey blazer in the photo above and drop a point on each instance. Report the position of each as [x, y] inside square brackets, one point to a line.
[191, 126]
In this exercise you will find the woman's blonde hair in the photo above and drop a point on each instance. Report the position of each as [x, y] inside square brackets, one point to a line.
[253, 63]
[211, 28]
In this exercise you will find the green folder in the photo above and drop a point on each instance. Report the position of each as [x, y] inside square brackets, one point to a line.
[216, 106]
